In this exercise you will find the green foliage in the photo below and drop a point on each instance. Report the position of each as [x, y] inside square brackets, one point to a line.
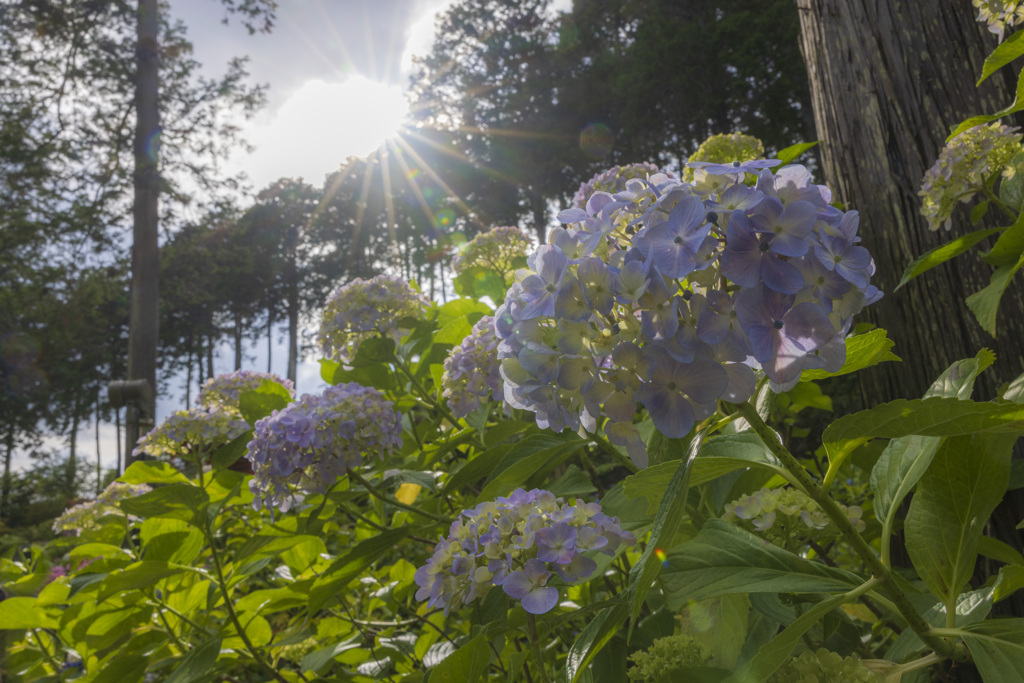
[667, 659]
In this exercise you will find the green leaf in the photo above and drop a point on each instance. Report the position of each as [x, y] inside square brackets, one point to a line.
[717, 456]
[924, 417]
[262, 401]
[197, 664]
[943, 253]
[527, 458]
[152, 472]
[22, 613]
[971, 607]
[315, 661]
[997, 647]
[1011, 580]
[171, 540]
[350, 565]
[995, 549]
[723, 559]
[775, 653]
[374, 351]
[465, 665]
[1011, 189]
[271, 546]
[477, 282]
[477, 468]
[228, 454]
[979, 211]
[138, 575]
[666, 523]
[720, 624]
[949, 510]
[592, 638]
[462, 309]
[180, 501]
[985, 304]
[1007, 51]
[1015, 106]
[1007, 249]
[862, 351]
[790, 153]
[122, 668]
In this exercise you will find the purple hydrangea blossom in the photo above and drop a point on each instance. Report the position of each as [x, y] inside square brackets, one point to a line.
[668, 296]
[521, 543]
[471, 370]
[366, 308]
[312, 442]
[613, 180]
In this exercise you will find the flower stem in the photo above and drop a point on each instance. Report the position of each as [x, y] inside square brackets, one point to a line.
[531, 625]
[942, 647]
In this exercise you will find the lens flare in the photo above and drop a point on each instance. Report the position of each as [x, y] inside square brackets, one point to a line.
[596, 140]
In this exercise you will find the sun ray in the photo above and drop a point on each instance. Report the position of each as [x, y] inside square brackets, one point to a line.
[420, 199]
[493, 173]
[472, 215]
[389, 206]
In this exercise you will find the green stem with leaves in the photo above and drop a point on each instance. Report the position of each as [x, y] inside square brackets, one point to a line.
[355, 476]
[940, 646]
[538, 658]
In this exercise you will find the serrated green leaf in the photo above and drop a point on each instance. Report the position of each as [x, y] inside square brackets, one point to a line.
[923, 417]
[720, 624]
[374, 351]
[231, 452]
[592, 638]
[195, 667]
[1015, 106]
[181, 501]
[723, 559]
[775, 652]
[943, 253]
[997, 647]
[789, 154]
[138, 575]
[24, 613]
[465, 665]
[717, 456]
[526, 459]
[1007, 51]
[985, 304]
[477, 282]
[862, 351]
[171, 540]
[949, 510]
[262, 401]
[152, 472]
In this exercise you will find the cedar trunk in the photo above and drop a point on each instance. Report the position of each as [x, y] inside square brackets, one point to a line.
[889, 78]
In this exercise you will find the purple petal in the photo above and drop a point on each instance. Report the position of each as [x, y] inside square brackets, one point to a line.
[540, 600]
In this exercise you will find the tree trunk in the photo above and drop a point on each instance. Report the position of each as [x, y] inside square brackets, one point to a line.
[238, 341]
[144, 317]
[270, 338]
[99, 466]
[8, 456]
[71, 470]
[210, 341]
[117, 428]
[888, 81]
[293, 306]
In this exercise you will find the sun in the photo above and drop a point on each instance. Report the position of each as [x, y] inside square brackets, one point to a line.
[322, 124]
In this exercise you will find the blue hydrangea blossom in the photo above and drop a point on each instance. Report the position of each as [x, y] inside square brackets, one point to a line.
[671, 295]
[521, 543]
[471, 370]
[312, 442]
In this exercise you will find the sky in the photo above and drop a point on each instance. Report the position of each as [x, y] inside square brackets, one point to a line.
[336, 71]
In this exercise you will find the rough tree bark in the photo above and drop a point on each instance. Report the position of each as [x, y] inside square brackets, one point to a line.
[889, 78]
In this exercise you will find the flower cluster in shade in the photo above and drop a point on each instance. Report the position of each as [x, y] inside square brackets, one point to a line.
[520, 543]
[613, 180]
[1000, 15]
[471, 370]
[367, 308]
[224, 391]
[501, 250]
[724, 148]
[669, 295]
[86, 515]
[963, 168]
[667, 659]
[788, 518]
[187, 434]
[816, 666]
[317, 439]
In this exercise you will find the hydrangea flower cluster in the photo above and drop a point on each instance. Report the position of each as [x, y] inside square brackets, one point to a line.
[365, 308]
[224, 391]
[498, 249]
[1000, 15]
[85, 515]
[964, 165]
[720, 149]
[670, 294]
[667, 659]
[188, 433]
[312, 442]
[471, 370]
[788, 518]
[613, 180]
[519, 543]
[825, 665]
